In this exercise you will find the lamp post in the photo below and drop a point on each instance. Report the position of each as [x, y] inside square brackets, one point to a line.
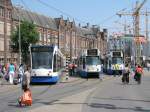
[5, 35]
[20, 53]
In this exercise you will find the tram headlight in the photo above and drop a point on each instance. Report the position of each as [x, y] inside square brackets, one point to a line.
[49, 73]
[112, 67]
[87, 69]
[120, 67]
[97, 69]
[34, 74]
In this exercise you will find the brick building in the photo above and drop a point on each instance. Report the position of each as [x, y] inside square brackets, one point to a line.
[70, 38]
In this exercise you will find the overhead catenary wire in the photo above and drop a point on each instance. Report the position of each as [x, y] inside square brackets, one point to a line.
[70, 16]
[27, 9]
[60, 11]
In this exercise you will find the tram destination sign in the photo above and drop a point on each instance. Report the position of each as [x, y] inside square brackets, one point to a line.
[92, 52]
[41, 49]
[116, 54]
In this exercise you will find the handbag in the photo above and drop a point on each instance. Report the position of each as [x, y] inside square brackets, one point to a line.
[132, 74]
[135, 77]
[6, 77]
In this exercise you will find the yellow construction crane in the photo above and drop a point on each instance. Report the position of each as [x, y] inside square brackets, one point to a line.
[136, 16]
[127, 28]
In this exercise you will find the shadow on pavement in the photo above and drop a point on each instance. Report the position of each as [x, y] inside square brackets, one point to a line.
[109, 106]
[135, 100]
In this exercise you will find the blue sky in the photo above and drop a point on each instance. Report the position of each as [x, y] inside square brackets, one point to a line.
[95, 12]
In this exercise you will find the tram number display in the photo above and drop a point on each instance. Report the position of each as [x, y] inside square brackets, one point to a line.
[92, 52]
[41, 49]
[116, 54]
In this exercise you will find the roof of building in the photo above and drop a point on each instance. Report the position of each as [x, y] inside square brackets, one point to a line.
[48, 22]
[8, 2]
[38, 19]
[84, 32]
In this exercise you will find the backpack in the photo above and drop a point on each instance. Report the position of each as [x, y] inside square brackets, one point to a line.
[6, 76]
[139, 70]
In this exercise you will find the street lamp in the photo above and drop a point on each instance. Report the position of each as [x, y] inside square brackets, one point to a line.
[19, 43]
[20, 53]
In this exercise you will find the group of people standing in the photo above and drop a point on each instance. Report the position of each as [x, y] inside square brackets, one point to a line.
[72, 67]
[14, 74]
[136, 73]
[8, 72]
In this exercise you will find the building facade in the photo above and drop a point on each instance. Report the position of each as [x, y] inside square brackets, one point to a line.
[69, 37]
[5, 31]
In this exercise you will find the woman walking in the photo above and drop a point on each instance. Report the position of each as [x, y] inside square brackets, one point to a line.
[138, 74]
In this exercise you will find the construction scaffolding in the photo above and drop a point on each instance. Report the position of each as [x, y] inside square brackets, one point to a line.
[136, 17]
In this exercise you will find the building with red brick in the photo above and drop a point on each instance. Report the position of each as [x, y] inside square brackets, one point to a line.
[69, 37]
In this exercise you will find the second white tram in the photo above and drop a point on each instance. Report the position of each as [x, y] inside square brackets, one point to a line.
[89, 63]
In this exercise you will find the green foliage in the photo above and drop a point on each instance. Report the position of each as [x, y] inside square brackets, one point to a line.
[29, 35]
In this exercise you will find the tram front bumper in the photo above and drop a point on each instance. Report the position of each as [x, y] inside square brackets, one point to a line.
[44, 79]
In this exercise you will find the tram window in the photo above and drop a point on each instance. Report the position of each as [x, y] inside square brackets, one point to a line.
[58, 63]
[84, 63]
[54, 64]
[109, 63]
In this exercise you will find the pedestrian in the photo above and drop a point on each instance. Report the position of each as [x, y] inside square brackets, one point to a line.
[116, 70]
[6, 74]
[11, 72]
[73, 68]
[28, 75]
[20, 73]
[70, 66]
[138, 74]
[101, 73]
[148, 66]
[26, 98]
[125, 77]
[1, 69]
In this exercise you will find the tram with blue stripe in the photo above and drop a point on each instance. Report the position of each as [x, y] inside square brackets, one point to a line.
[47, 63]
[89, 63]
[114, 63]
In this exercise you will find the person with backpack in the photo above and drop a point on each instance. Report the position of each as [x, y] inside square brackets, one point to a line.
[138, 74]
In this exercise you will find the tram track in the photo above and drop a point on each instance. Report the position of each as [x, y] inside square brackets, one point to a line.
[48, 94]
[84, 85]
[11, 92]
[90, 96]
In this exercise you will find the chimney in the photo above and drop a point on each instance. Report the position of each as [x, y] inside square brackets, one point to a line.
[79, 25]
[87, 25]
[105, 30]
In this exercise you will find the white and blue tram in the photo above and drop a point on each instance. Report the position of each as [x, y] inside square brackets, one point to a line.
[89, 63]
[114, 62]
[47, 63]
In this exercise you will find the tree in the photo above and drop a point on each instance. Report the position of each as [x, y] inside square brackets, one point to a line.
[29, 35]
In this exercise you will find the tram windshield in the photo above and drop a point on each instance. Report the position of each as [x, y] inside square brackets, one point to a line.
[93, 60]
[42, 60]
[117, 60]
